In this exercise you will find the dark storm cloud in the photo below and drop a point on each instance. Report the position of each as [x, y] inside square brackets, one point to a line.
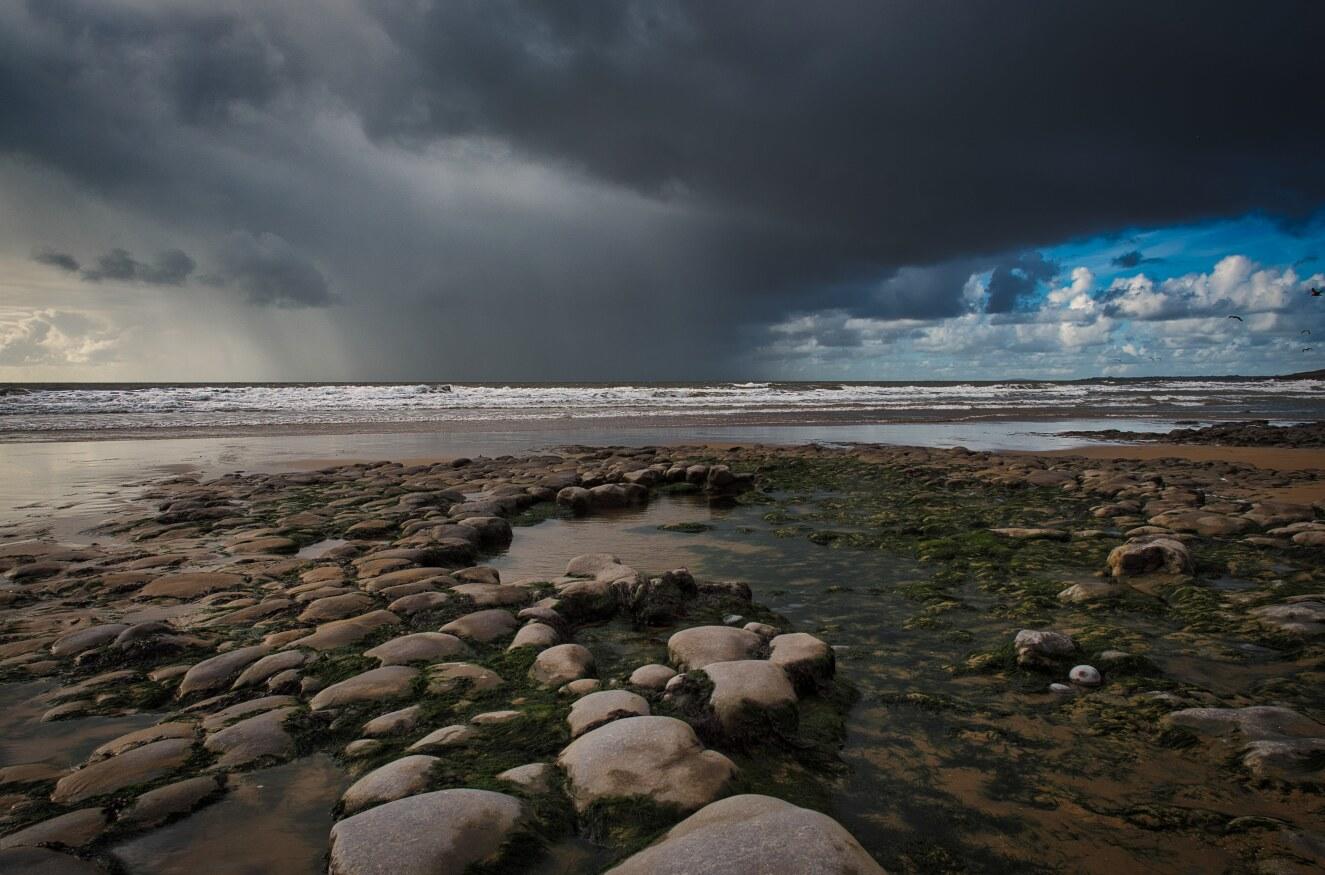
[1132, 259]
[887, 134]
[62, 260]
[170, 268]
[1017, 279]
[858, 156]
[923, 292]
[270, 272]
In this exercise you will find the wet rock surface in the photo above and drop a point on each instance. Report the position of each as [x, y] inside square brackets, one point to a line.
[752, 834]
[658, 758]
[442, 831]
[1257, 433]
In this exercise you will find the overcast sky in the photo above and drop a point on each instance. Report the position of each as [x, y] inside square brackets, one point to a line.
[405, 189]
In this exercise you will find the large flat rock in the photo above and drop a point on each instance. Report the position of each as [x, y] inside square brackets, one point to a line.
[395, 780]
[747, 689]
[561, 664]
[137, 766]
[256, 738]
[218, 671]
[339, 633]
[696, 647]
[657, 757]
[190, 584]
[483, 626]
[378, 684]
[753, 835]
[427, 834]
[602, 707]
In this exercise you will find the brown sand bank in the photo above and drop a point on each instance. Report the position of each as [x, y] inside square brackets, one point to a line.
[1269, 458]
[1274, 458]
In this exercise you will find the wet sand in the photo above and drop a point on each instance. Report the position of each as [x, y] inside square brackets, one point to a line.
[854, 425]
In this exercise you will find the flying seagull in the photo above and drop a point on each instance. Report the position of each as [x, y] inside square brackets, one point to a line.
[1307, 348]
[1239, 318]
[1315, 292]
[1306, 331]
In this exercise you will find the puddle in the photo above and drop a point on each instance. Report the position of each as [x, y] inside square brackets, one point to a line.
[273, 820]
[25, 739]
[544, 549]
[571, 857]
[1232, 584]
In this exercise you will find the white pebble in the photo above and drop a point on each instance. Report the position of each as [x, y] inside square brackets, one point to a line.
[1085, 675]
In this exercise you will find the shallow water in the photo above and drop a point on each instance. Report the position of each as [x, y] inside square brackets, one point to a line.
[76, 483]
[66, 743]
[995, 781]
[272, 820]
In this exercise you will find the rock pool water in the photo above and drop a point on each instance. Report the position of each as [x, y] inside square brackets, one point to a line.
[270, 820]
[953, 773]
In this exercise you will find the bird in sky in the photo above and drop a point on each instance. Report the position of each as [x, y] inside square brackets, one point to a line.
[1239, 318]
[1307, 348]
[1315, 292]
[1306, 330]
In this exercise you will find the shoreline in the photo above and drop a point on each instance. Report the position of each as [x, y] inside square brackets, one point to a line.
[1048, 416]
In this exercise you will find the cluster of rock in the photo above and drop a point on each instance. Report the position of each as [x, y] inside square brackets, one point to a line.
[1254, 433]
[619, 749]
[1053, 651]
[238, 631]
[1280, 744]
[586, 494]
[1161, 516]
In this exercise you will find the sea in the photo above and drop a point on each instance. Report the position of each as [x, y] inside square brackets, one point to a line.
[70, 449]
[52, 411]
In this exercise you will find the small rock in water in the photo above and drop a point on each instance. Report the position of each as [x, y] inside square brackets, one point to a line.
[1085, 675]
[1041, 647]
